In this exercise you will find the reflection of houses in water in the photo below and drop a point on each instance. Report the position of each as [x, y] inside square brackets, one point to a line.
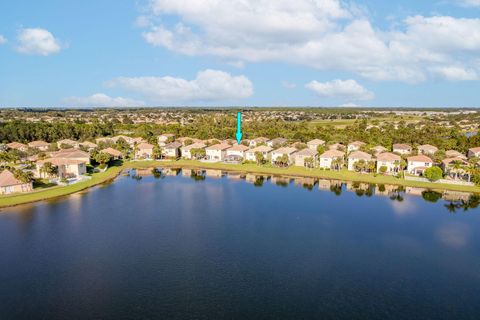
[235, 175]
[143, 172]
[385, 189]
[353, 186]
[186, 172]
[456, 196]
[212, 173]
[171, 171]
[415, 191]
[254, 178]
[324, 184]
[280, 181]
[305, 182]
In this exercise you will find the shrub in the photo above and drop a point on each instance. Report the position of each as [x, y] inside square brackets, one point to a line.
[433, 173]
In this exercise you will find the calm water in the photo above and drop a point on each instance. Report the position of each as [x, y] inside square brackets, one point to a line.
[224, 248]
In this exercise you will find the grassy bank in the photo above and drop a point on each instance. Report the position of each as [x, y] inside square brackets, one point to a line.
[344, 175]
[112, 172]
[58, 191]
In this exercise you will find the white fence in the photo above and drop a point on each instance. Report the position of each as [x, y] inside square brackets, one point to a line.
[443, 181]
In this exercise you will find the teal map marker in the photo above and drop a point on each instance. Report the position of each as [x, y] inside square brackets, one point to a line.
[239, 127]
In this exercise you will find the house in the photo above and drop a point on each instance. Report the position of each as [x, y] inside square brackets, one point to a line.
[454, 154]
[278, 153]
[67, 142]
[9, 184]
[186, 150]
[388, 163]
[165, 138]
[401, 148]
[258, 141]
[416, 165]
[355, 157]
[144, 151]
[314, 144]
[329, 158]
[217, 152]
[427, 149]
[355, 146]
[277, 142]
[306, 154]
[66, 168]
[172, 150]
[264, 150]
[88, 145]
[455, 166]
[39, 145]
[17, 146]
[184, 140]
[113, 152]
[336, 146]
[74, 154]
[474, 152]
[237, 150]
[129, 140]
[378, 149]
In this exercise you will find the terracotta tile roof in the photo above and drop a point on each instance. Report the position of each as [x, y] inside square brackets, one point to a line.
[38, 144]
[285, 150]
[16, 145]
[219, 146]
[420, 158]
[450, 160]
[454, 154]
[238, 147]
[173, 145]
[145, 145]
[388, 156]
[332, 153]
[315, 141]
[197, 145]
[261, 149]
[112, 152]
[307, 153]
[357, 143]
[88, 144]
[69, 154]
[60, 161]
[360, 155]
[402, 146]
[7, 178]
[474, 150]
[428, 147]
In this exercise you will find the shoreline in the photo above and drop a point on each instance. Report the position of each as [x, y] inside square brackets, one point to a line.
[113, 172]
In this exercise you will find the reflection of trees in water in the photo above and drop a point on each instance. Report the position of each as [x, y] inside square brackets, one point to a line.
[397, 194]
[157, 174]
[136, 177]
[472, 203]
[381, 188]
[197, 175]
[258, 181]
[431, 196]
[336, 188]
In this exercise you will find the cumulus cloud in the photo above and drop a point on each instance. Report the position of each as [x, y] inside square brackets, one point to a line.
[324, 34]
[3, 39]
[340, 89]
[37, 41]
[209, 85]
[102, 100]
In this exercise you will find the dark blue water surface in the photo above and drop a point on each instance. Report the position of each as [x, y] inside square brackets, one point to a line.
[224, 248]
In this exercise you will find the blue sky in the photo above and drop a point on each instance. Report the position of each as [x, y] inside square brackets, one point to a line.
[250, 52]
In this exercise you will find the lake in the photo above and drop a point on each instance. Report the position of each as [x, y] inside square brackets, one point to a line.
[203, 245]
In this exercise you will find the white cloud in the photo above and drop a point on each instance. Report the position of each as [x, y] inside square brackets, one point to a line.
[340, 89]
[455, 73]
[209, 85]
[469, 3]
[37, 41]
[3, 39]
[324, 34]
[102, 100]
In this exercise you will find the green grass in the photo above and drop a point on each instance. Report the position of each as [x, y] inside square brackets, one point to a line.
[112, 172]
[342, 123]
[58, 191]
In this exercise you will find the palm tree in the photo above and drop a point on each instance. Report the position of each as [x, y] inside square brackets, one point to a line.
[337, 163]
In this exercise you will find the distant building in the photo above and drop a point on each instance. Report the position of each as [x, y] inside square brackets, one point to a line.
[454, 154]
[315, 143]
[356, 156]
[336, 146]
[66, 168]
[113, 152]
[379, 149]
[417, 165]
[258, 141]
[68, 142]
[39, 145]
[237, 150]
[305, 154]
[144, 151]
[474, 152]
[217, 152]
[165, 139]
[264, 150]
[278, 153]
[17, 146]
[328, 157]
[277, 142]
[401, 148]
[390, 161]
[172, 150]
[355, 146]
[88, 145]
[427, 149]
[74, 154]
[186, 150]
[9, 184]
